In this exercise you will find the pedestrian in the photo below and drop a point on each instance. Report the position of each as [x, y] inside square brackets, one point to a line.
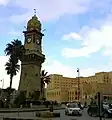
[30, 105]
[51, 107]
[85, 104]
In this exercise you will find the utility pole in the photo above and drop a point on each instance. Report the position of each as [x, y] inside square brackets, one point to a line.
[78, 84]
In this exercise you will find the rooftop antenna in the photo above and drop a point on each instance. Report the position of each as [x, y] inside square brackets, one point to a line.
[34, 12]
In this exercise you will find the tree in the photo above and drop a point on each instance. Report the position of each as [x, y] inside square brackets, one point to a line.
[11, 90]
[12, 68]
[15, 48]
[45, 79]
[15, 51]
[20, 99]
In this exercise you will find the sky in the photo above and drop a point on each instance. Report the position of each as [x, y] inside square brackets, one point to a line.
[78, 34]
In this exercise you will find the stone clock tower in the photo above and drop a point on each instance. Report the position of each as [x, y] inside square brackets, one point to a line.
[32, 60]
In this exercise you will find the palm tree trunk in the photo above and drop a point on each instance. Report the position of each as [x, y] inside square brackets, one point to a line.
[42, 88]
[9, 92]
[11, 76]
[43, 92]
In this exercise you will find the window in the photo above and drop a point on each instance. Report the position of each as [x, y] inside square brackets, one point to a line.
[75, 98]
[72, 106]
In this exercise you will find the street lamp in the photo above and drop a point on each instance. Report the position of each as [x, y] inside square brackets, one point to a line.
[2, 83]
[78, 71]
[2, 80]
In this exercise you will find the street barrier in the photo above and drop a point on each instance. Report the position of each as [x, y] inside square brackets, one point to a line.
[47, 114]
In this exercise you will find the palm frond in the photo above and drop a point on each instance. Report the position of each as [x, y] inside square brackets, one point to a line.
[12, 67]
[42, 72]
[47, 81]
[45, 73]
[15, 47]
[44, 77]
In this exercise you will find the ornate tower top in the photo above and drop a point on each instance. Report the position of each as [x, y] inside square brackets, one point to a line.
[34, 23]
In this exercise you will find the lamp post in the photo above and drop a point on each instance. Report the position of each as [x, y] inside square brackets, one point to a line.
[2, 83]
[2, 80]
[78, 84]
[99, 106]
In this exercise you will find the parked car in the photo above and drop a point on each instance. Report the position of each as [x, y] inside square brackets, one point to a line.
[73, 109]
[106, 112]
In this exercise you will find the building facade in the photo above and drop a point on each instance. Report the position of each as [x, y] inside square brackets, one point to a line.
[64, 89]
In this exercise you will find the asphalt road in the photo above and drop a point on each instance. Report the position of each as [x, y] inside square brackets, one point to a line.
[83, 117]
[63, 116]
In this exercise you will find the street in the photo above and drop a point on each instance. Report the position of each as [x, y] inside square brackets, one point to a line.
[62, 117]
[83, 117]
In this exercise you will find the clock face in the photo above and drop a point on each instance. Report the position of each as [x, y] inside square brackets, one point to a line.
[37, 41]
[29, 40]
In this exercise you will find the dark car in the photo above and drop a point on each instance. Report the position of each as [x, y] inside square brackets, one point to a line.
[105, 111]
[92, 110]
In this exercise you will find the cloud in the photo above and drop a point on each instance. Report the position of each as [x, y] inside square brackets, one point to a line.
[15, 32]
[4, 2]
[82, 52]
[93, 40]
[3, 74]
[55, 67]
[52, 67]
[71, 36]
[48, 10]
[20, 18]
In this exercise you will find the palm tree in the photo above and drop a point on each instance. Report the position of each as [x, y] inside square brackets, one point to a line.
[12, 68]
[45, 79]
[15, 48]
[15, 51]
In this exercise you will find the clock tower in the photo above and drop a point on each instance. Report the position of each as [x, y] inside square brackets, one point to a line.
[32, 60]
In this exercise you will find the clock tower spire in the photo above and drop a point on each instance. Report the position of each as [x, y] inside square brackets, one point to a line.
[35, 12]
[33, 58]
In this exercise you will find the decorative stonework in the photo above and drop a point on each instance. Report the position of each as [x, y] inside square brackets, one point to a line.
[34, 23]
[32, 60]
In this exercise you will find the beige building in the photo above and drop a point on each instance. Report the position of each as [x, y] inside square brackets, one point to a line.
[64, 89]
[59, 88]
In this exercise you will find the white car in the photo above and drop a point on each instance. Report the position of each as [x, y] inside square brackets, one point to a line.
[73, 109]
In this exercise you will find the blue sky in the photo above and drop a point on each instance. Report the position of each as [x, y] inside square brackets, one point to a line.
[78, 34]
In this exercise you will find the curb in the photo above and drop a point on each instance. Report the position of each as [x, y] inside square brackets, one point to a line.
[25, 118]
[27, 110]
